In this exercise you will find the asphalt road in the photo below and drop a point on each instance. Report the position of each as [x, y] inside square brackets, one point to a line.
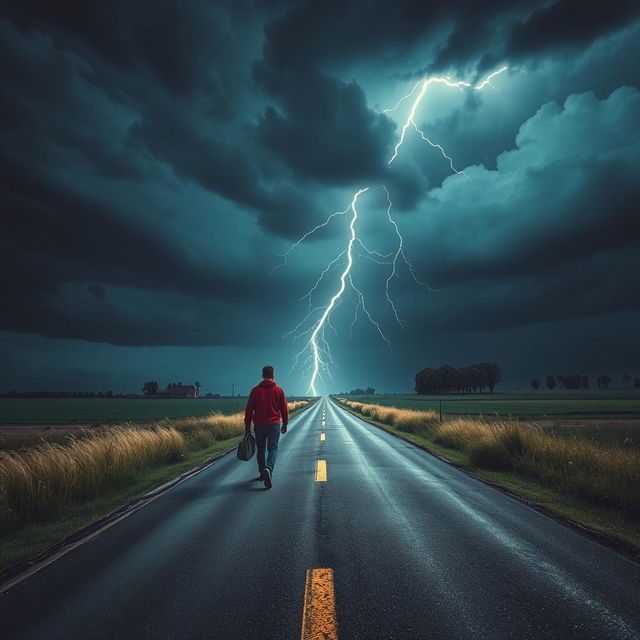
[418, 549]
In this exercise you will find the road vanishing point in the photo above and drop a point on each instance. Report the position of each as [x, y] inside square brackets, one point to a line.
[363, 536]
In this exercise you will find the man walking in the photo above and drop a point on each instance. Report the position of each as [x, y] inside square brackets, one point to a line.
[266, 407]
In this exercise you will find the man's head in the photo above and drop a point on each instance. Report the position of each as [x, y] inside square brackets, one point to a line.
[267, 372]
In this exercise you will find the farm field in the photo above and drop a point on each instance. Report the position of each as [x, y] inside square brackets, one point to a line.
[28, 421]
[606, 417]
[52, 411]
[523, 404]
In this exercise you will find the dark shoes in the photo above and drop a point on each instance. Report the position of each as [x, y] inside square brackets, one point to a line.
[267, 477]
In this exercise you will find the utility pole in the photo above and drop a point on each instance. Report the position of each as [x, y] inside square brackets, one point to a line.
[233, 389]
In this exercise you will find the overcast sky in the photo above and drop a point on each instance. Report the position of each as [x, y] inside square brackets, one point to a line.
[159, 157]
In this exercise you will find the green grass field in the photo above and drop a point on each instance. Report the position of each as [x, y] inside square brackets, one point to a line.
[106, 410]
[523, 404]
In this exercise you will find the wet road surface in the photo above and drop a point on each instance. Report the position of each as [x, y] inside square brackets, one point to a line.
[411, 546]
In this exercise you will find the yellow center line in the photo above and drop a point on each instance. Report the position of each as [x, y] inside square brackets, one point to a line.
[321, 471]
[322, 437]
[319, 612]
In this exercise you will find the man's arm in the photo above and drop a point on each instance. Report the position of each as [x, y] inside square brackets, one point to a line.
[249, 410]
[284, 413]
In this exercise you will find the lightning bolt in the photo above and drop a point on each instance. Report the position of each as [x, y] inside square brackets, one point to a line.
[317, 347]
[424, 85]
[319, 326]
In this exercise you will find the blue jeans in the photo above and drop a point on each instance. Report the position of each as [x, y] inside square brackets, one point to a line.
[268, 434]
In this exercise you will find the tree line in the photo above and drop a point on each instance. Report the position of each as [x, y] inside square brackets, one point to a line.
[369, 391]
[578, 381]
[66, 394]
[448, 380]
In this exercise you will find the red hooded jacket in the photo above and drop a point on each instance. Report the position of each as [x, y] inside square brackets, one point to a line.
[266, 405]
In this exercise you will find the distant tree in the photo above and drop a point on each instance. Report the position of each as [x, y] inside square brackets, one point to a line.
[626, 378]
[150, 388]
[473, 378]
[535, 383]
[370, 391]
[636, 383]
[109, 394]
[209, 396]
[447, 379]
[491, 373]
[551, 383]
[356, 392]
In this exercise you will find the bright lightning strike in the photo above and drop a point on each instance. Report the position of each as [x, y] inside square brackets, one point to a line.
[316, 347]
[426, 83]
[298, 242]
[319, 326]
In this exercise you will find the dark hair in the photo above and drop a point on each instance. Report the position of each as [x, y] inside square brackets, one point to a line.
[267, 372]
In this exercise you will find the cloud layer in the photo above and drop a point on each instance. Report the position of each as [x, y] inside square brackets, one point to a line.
[156, 159]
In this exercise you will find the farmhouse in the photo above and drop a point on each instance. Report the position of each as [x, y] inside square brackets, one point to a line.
[178, 390]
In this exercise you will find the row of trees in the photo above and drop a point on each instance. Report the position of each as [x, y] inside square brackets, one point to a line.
[66, 394]
[369, 391]
[447, 379]
[578, 381]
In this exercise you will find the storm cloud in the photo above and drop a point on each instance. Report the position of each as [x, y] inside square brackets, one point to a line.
[158, 159]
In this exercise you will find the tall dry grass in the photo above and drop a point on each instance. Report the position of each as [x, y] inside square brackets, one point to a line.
[403, 419]
[37, 482]
[603, 475]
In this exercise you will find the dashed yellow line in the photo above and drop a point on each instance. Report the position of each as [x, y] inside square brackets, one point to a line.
[319, 612]
[321, 471]
[322, 437]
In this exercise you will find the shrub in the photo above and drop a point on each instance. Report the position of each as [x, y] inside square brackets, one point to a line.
[488, 453]
[460, 432]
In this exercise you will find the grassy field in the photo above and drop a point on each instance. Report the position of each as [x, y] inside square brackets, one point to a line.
[522, 404]
[104, 410]
[606, 417]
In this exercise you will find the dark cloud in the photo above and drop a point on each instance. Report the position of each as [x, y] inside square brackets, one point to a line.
[568, 24]
[156, 157]
[457, 33]
[325, 131]
[597, 286]
[62, 252]
[133, 90]
[181, 43]
[566, 192]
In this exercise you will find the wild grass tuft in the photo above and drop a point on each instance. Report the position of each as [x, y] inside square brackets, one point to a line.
[403, 419]
[37, 482]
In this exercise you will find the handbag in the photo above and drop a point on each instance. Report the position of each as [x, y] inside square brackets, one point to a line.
[247, 447]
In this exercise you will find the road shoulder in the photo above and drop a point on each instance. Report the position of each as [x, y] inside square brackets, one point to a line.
[597, 523]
